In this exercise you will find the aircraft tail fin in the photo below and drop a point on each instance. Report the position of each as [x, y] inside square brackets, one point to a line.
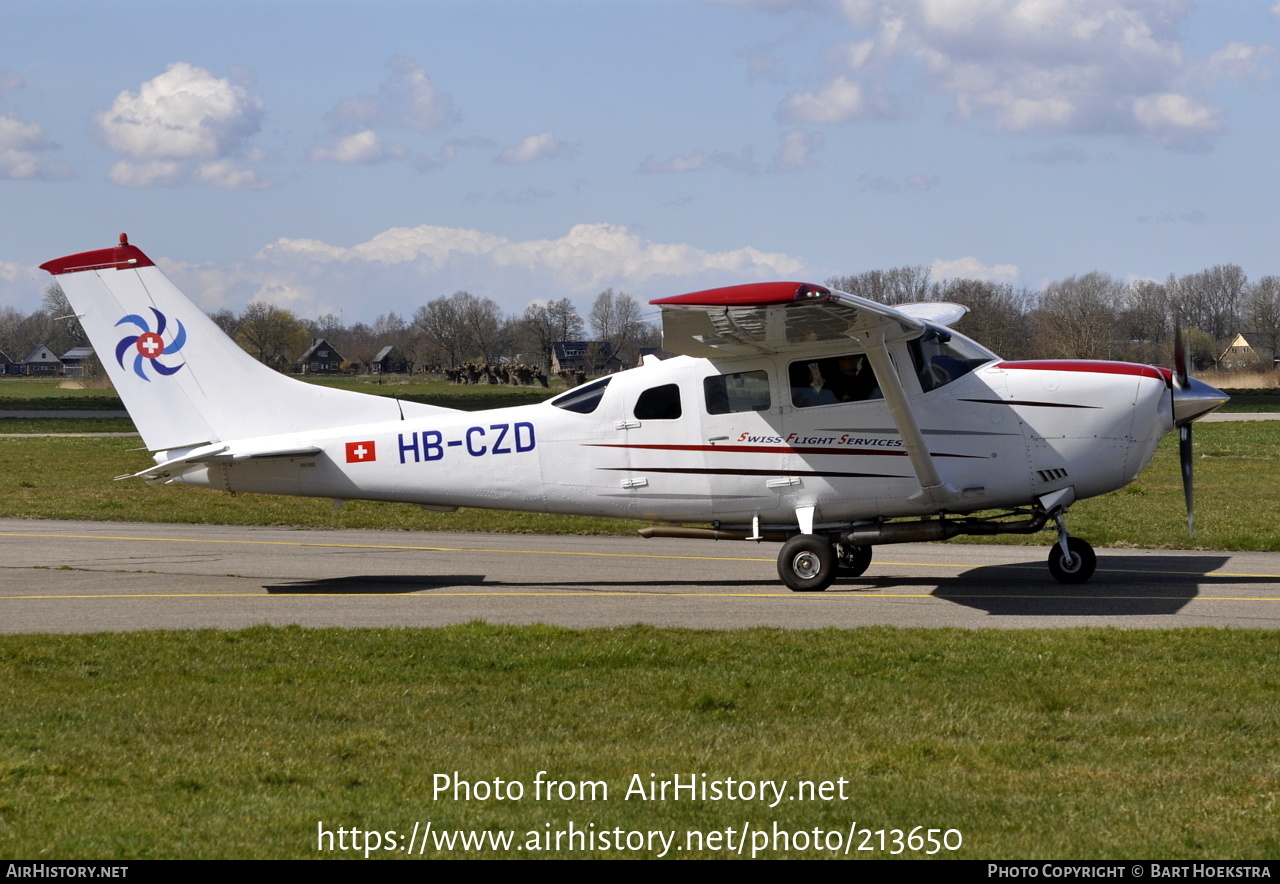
[184, 382]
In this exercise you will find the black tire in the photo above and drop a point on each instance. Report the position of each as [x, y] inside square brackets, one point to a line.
[853, 560]
[807, 563]
[1081, 566]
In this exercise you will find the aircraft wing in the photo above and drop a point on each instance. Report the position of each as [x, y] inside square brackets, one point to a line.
[782, 317]
[793, 317]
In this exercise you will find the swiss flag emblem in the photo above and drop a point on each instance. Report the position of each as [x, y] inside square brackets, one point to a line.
[361, 452]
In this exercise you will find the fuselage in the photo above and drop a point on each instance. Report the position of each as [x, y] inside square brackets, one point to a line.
[729, 440]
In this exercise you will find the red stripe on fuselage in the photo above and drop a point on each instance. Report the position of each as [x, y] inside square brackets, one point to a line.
[1093, 366]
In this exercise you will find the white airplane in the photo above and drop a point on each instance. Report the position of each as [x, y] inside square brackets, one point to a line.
[795, 413]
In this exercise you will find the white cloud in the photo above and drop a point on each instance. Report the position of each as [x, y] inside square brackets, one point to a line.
[1101, 67]
[150, 174]
[9, 81]
[920, 182]
[542, 146]
[401, 268]
[447, 155]
[1175, 119]
[183, 113]
[24, 150]
[841, 101]
[796, 151]
[229, 175]
[743, 161]
[972, 268]
[1238, 62]
[691, 162]
[407, 99]
[363, 147]
[181, 125]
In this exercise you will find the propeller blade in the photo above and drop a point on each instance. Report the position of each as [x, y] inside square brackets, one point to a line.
[1181, 360]
[1185, 455]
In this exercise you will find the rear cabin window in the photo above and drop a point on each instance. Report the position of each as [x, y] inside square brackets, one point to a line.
[742, 391]
[833, 381]
[659, 404]
[584, 399]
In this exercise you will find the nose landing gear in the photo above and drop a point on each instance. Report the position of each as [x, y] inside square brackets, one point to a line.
[1071, 560]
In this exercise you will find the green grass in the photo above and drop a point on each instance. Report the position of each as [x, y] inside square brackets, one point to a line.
[38, 426]
[1237, 501]
[72, 478]
[1089, 743]
[1253, 400]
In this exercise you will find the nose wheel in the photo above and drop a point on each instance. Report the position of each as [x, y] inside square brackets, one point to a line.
[1074, 565]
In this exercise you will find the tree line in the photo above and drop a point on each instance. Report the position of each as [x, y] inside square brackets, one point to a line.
[1097, 316]
[447, 331]
[1089, 316]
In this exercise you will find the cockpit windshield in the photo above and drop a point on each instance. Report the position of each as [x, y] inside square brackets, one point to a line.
[942, 356]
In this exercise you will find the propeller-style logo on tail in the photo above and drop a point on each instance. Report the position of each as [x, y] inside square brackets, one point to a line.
[150, 345]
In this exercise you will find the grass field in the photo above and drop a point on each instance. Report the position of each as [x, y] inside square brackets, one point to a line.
[1065, 744]
[1062, 744]
[1237, 501]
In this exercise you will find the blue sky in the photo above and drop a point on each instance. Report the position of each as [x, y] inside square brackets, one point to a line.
[334, 157]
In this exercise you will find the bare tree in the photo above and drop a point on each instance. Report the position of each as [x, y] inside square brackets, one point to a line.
[898, 285]
[998, 317]
[393, 330]
[227, 321]
[65, 330]
[616, 318]
[542, 325]
[1211, 299]
[460, 327]
[362, 344]
[486, 330]
[1262, 317]
[1146, 321]
[1078, 316]
[272, 335]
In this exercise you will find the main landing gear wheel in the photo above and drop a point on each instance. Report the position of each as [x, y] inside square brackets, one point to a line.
[807, 563]
[1079, 568]
[854, 560]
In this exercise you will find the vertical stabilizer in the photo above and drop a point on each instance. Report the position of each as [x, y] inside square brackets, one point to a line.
[184, 382]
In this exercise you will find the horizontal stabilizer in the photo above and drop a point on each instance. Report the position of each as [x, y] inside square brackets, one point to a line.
[215, 454]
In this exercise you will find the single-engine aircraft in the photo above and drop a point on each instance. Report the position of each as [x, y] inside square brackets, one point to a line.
[793, 413]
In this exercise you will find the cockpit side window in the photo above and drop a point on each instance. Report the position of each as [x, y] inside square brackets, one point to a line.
[941, 357]
[659, 404]
[584, 399]
[832, 381]
[741, 391]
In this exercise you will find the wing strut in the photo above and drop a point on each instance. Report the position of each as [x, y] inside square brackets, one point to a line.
[931, 484]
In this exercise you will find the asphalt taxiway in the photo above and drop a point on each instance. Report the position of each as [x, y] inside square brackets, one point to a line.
[113, 576]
